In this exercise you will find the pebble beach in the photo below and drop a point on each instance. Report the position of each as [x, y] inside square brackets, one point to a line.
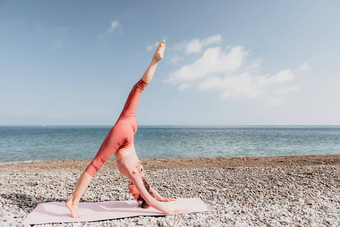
[246, 191]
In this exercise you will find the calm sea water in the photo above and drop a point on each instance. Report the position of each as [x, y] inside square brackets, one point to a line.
[33, 143]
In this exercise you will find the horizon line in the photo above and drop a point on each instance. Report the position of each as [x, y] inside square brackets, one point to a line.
[194, 125]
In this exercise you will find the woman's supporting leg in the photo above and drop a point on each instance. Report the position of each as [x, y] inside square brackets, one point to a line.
[82, 184]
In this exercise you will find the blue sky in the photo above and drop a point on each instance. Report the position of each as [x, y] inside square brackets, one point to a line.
[226, 62]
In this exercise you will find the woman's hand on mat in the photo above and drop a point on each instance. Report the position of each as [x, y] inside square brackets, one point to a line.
[175, 212]
[166, 199]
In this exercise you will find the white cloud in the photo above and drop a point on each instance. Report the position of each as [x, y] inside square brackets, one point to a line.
[175, 60]
[211, 40]
[282, 76]
[155, 44]
[230, 72]
[196, 45]
[254, 65]
[184, 86]
[304, 67]
[114, 25]
[242, 85]
[214, 60]
[249, 85]
[287, 89]
[252, 86]
[152, 46]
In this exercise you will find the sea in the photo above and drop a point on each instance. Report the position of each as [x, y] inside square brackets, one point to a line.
[47, 142]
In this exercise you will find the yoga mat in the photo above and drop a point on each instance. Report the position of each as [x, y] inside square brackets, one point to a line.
[56, 212]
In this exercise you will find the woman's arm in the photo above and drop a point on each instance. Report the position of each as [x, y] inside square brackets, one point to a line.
[159, 197]
[138, 182]
[156, 194]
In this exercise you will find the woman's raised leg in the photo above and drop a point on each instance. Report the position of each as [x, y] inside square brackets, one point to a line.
[158, 55]
[131, 103]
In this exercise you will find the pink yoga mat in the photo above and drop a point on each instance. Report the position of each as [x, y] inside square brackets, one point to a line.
[56, 212]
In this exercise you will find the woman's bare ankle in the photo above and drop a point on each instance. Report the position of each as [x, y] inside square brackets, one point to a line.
[72, 201]
[154, 61]
[73, 208]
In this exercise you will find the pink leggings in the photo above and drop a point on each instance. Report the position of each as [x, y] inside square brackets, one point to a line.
[122, 133]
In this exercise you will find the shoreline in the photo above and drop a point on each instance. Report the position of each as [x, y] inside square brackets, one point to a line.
[188, 163]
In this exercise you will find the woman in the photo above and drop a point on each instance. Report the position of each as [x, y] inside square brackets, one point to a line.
[120, 142]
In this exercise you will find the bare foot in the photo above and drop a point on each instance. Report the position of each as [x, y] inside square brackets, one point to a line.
[73, 209]
[159, 52]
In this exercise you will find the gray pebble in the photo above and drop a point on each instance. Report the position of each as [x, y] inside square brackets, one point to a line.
[241, 196]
